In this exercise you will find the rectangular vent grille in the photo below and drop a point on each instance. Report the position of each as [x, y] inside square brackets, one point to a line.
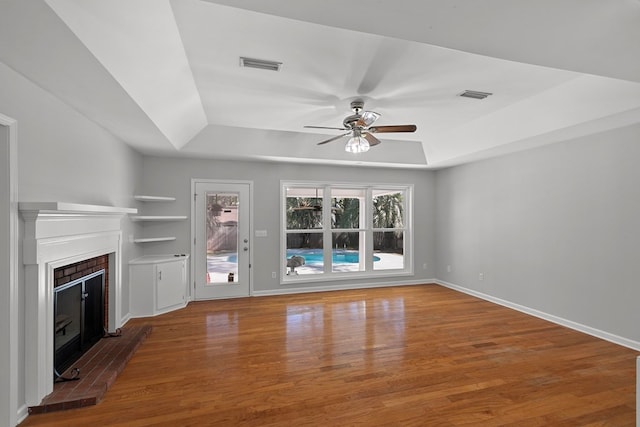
[474, 94]
[260, 64]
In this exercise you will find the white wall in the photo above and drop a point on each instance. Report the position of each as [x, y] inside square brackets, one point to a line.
[65, 157]
[554, 229]
[172, 177]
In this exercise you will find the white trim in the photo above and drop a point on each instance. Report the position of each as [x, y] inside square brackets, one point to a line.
[638, 391]
[125, 319]
[22, 413]
[328, 288]
[53, 240]
[65, 208]
[10, 414]
[367, 228]
[194, 181]
[616, 339]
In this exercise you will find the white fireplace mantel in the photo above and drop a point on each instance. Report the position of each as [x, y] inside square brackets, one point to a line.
[57, 234]
[66, 208]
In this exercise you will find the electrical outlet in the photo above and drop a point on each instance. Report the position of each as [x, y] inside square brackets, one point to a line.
[424, 266]
[448, 269]
[481, 276]
[273, 275]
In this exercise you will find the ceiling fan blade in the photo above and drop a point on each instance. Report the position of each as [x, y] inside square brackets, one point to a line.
[324, 127]
[393, 128]
[334, 138]
[372, 139]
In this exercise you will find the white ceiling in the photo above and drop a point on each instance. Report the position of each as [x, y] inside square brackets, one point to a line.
[164, 75]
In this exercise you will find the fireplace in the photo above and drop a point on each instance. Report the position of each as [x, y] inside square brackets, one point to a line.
[78, 316]
[60, 234]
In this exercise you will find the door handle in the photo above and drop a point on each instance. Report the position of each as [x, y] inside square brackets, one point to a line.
[246, 248]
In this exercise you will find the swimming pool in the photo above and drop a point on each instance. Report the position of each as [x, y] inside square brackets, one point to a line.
[314, 256]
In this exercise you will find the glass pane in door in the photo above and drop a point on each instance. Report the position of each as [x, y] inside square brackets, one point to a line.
[222, 237]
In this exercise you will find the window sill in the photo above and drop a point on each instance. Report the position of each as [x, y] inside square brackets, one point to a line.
[335, 277]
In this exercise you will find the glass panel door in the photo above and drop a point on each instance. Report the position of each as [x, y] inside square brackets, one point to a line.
[221, 240]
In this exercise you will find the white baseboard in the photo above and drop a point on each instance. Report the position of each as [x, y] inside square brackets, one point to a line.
[125, 319]
[23, 413]
[635, 345]
[284, 290]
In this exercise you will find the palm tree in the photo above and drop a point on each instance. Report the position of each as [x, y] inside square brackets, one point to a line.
[303, 219]
[388, 210]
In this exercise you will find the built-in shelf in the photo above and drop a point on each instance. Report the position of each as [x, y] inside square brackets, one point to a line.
[154, 239]
[154, 198]
[158, 217]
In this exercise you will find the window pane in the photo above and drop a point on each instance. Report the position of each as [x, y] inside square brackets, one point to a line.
[304, 254]
[348, 251]
[388, 250]
[304, 208]
[222, 237]
[345, 207]
[388, 209]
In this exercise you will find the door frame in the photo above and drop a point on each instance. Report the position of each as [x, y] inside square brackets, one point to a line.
[11, 409]
[194, 181]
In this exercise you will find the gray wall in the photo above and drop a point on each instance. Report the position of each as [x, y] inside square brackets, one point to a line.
[62, 156]
[555, 229]
[172, 177]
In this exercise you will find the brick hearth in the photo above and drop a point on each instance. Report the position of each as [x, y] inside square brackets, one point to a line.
[99, 368]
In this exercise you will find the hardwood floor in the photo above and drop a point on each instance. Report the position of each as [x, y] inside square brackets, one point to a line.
[410, 356]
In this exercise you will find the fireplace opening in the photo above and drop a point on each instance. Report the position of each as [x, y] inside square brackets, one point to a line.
[79, 308]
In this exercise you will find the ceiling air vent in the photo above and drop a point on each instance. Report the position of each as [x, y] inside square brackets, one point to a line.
[474, 94]
[261, 64]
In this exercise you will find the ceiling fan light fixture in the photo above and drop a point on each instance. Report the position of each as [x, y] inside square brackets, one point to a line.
[368, 117]
[357, 144]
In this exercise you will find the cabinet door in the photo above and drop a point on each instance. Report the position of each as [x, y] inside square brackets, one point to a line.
[170, 282]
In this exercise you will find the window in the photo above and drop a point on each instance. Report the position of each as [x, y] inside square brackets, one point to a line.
[335, 231]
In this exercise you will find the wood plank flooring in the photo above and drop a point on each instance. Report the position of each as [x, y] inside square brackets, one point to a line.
[410, 356]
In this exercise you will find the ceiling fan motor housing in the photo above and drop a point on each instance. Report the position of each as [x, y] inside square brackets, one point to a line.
[351, 121]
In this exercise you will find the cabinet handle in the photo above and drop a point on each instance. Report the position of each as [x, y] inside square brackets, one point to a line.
[160, 275]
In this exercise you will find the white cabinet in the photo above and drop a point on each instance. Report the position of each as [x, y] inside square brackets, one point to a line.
[158, 284]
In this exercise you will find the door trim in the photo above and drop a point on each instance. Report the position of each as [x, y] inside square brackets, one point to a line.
[194, 181]
[12, 411]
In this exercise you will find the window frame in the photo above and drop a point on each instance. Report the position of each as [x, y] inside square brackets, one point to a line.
[367, 228]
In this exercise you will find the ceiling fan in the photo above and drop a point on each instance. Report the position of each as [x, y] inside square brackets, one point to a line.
[305, 206]
[316, 207]
[359, 127]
